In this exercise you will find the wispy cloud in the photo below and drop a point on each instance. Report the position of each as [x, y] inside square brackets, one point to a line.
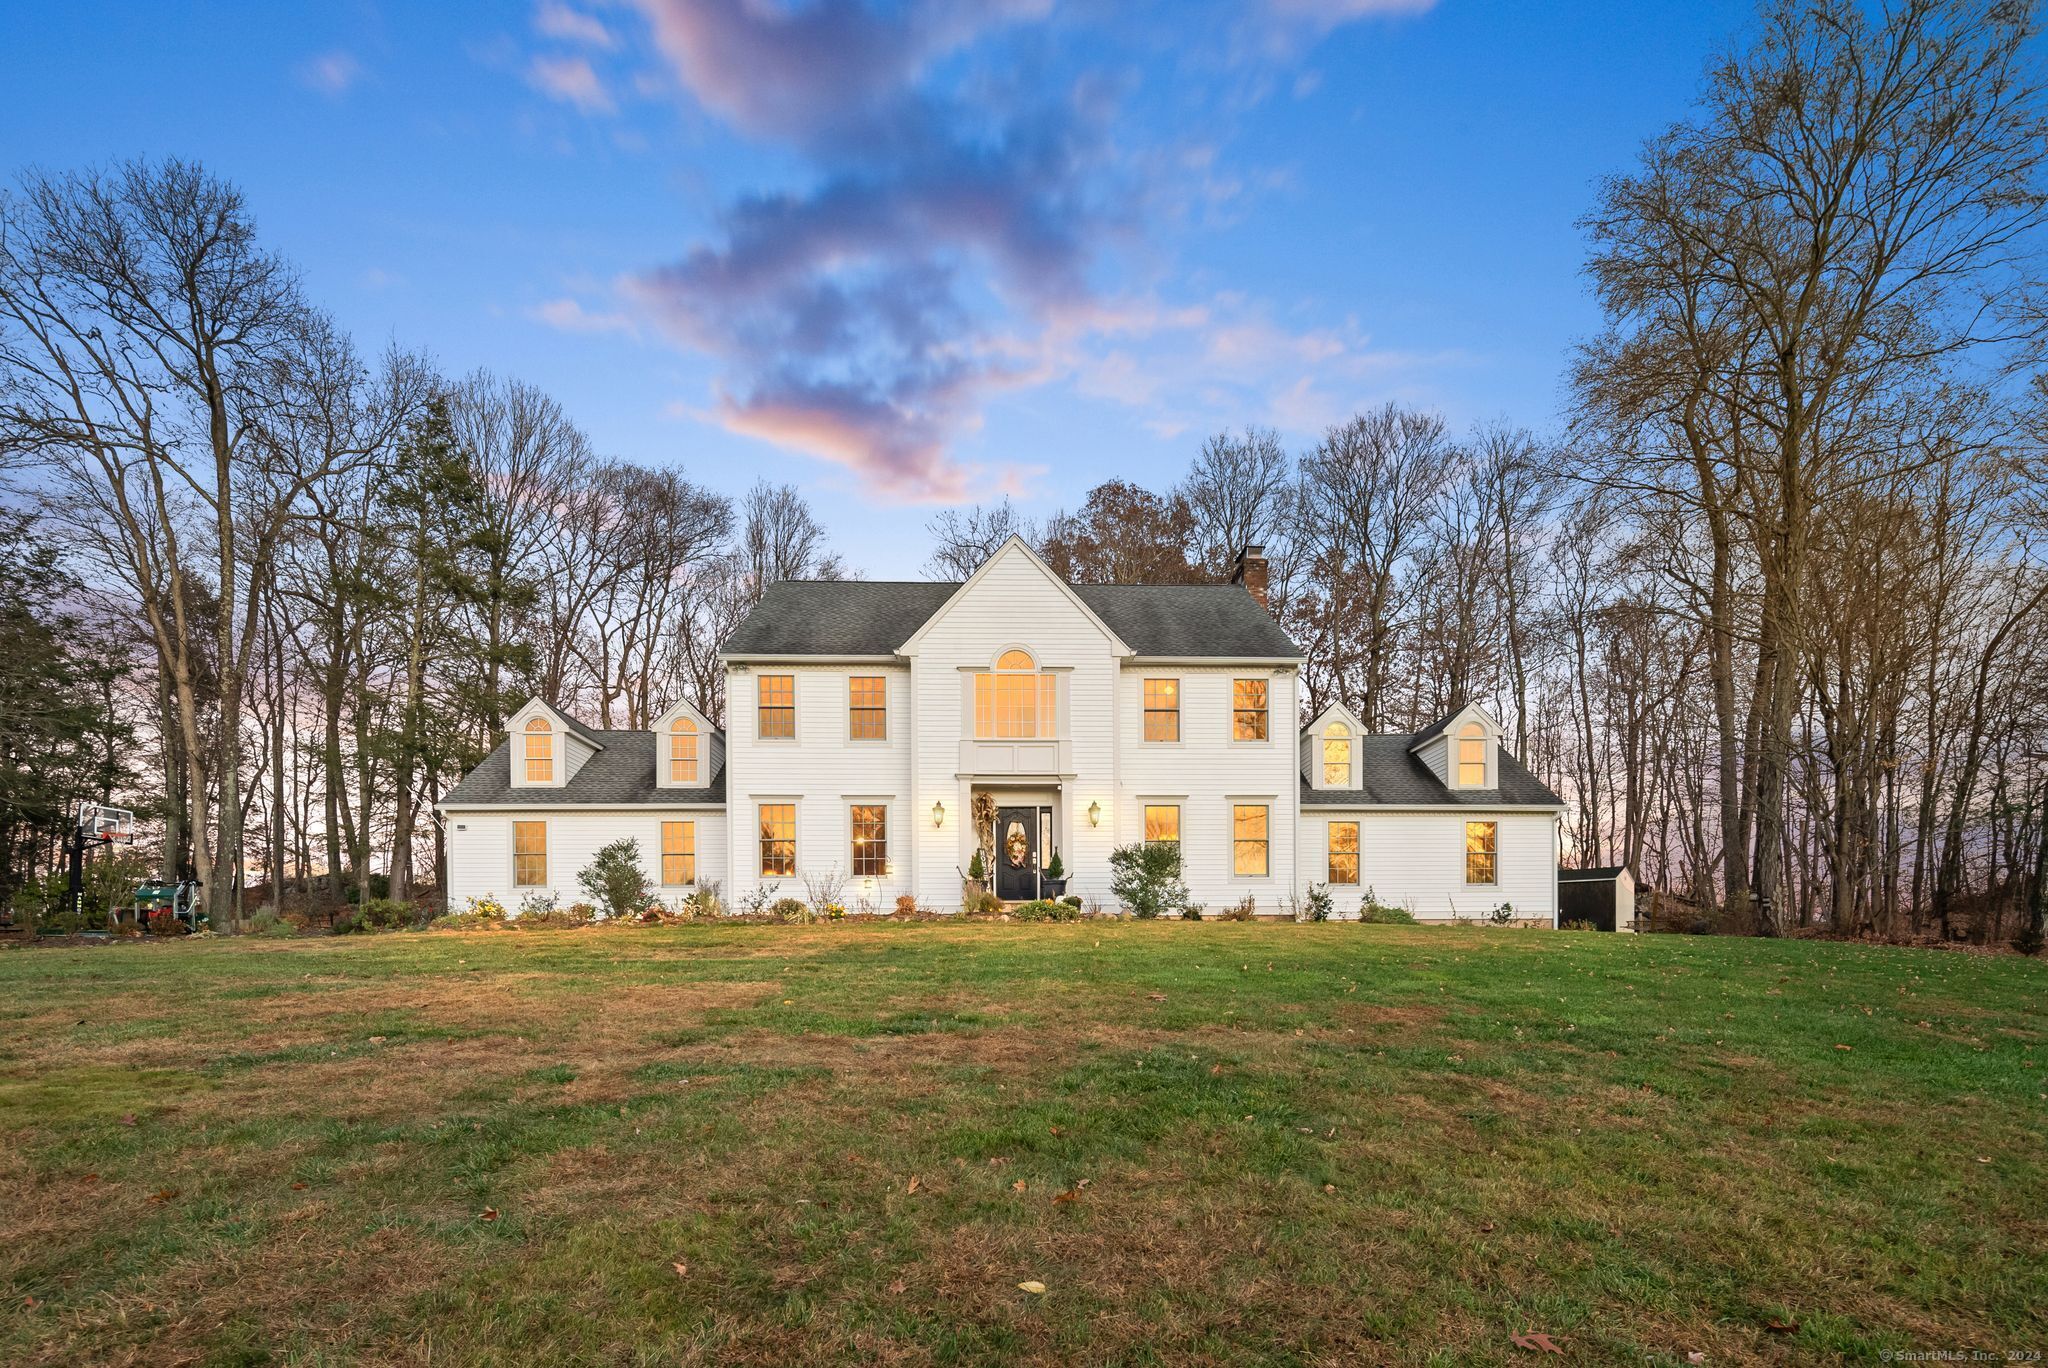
[330, 73]
[569, 315]
[573, 81]
[553, 19]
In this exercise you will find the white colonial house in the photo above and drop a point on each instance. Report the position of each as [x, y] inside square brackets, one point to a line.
[865, 720]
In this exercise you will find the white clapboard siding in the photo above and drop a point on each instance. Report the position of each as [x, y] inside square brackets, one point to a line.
[823, 772]
[1207, 774]
[1416, 859]
[1012, 601]
[480, 848]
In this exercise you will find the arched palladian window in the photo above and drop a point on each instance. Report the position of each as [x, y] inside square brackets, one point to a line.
[1472, 756]
[1015, 700]
[682, 751]
[1337, 756]
[540, 752]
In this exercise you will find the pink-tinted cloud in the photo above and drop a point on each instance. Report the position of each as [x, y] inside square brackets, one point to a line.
[569, 315]
[572, 80]
[802, 72]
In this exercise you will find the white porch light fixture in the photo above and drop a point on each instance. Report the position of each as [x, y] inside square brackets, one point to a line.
[1095, 814]
[938, 814]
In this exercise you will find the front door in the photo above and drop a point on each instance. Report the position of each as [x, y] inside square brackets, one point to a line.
[1016, 853]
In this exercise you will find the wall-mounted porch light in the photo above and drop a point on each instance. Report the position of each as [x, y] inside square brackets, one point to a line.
[938, 814]
[1095, 814]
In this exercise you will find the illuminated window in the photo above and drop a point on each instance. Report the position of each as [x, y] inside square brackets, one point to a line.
[540, 752]
[679, 852]
[1162, 823]
[1472, 756]
[529, 854]
[1014, 701]
[1162, 710]
[776, 715]
[1248, 709]
[1481, 853]
[1248, 833]
[870, 841]
[867, 710]
[1336, 756]
[682, 751]
[778, 840]
[1343, 852]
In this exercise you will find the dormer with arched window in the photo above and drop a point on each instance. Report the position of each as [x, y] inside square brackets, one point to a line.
[688, 750]
[547, 748]
[1332, 750]
[1463, 749]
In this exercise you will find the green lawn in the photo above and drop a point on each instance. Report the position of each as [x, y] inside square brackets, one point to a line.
[1211, 1143]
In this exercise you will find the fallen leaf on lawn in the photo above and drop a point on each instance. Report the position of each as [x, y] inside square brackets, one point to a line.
[1156, 997]
[129, 1119]
[1080, 1183]
[896, 1288]
[29, 1302]
[1056, 1130]
[163, 1194]
[682, 1269]
[298, 1187]
[488, 1214]
[998, 1161]
[90, 1178]
[1017, 1186]
[1983, 1158]
[1538, 1341]
[1695, 1357]
[1070, 1195]
[376, 1040]
[1486, 1229]
[1215, 1069]
[1782, 1327]
[1034, 1287]
[1845, 1047]
[1329, 1187]
[913, 1185]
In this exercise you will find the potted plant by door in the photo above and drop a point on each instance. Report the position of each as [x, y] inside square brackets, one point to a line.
[977, 873]
[1053, 882]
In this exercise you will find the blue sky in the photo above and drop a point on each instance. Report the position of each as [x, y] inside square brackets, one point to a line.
[911, 252]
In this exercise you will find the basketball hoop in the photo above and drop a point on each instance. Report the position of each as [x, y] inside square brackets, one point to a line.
[107, 825]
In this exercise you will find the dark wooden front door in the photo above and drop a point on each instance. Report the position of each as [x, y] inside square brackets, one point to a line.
[1016, 853]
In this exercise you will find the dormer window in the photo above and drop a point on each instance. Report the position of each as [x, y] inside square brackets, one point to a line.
[540, 752]
[1337, 756]
[1472, 756]
[683, 740]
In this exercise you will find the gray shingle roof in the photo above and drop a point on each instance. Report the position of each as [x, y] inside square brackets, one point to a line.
[1395, 777]
[874, 617]
[620, 775]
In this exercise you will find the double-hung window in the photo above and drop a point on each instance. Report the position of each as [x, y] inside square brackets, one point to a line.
[529, 854]
[1162, 710]
[1248, 709]
[1343, 852]
[1482, 852]
[679, 852]
[1472, 756]
[540, 752]
[1250, 853]
[867, 708]
[1337, 756]
[870, 841]
[778, 840]
[682, 751]
[775, 715]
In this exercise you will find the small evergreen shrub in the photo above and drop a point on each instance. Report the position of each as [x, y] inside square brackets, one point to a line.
[1319, 905]
[1145, 877]
[614, 879]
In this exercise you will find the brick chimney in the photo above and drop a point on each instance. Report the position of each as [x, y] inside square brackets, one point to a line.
[1250, 571]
